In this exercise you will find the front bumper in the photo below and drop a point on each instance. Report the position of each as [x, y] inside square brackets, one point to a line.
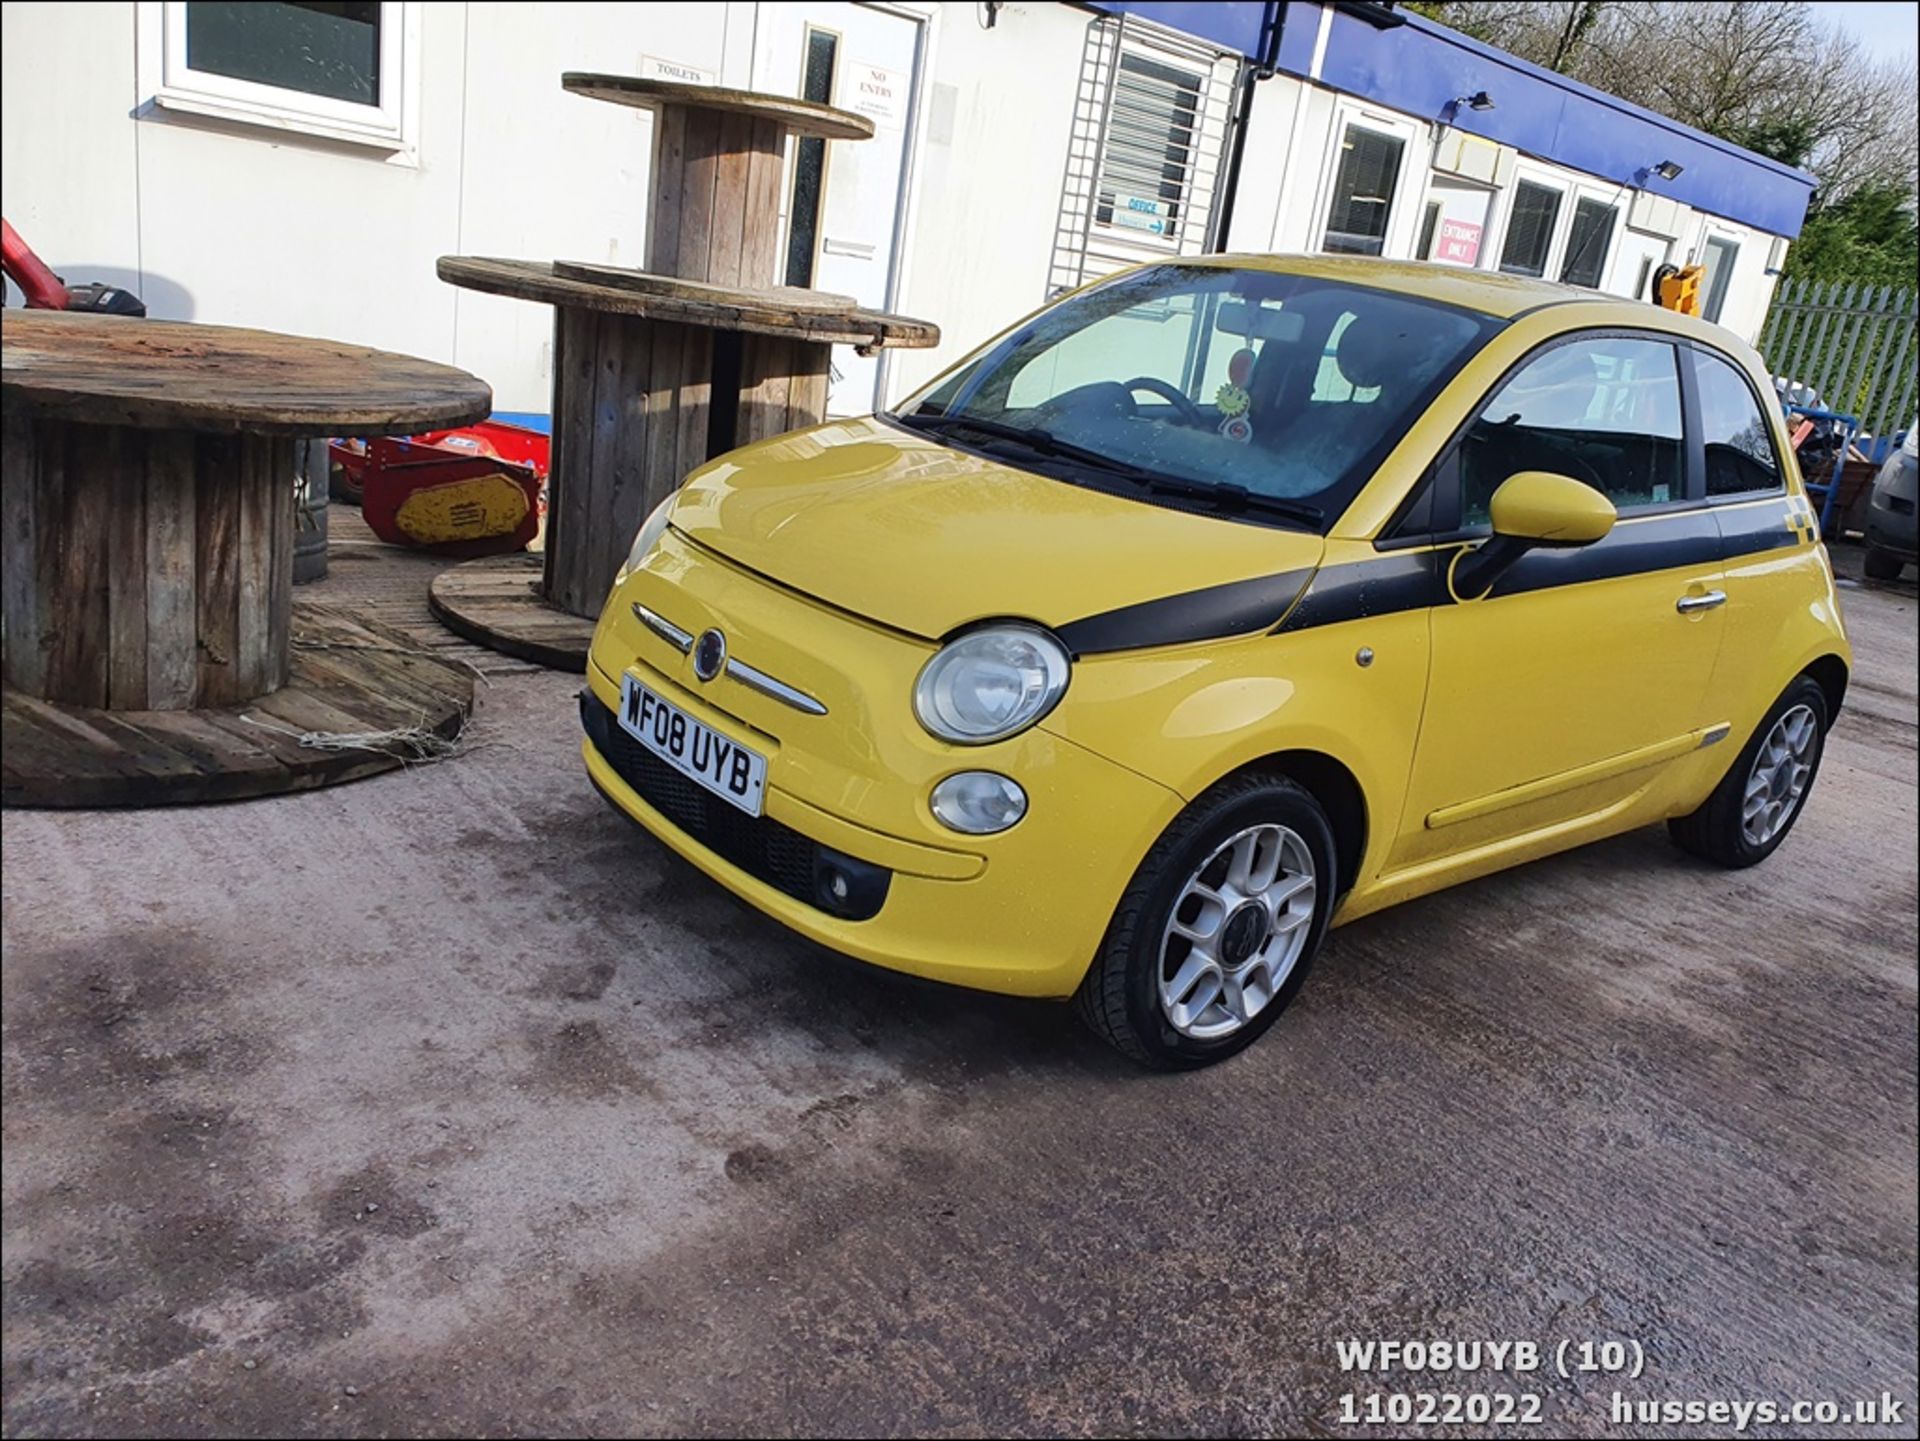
[1021, 913]
[1890, 530]
[1891, 520]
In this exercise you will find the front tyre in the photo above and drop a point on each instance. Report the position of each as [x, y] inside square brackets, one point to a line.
[1215, 935]
[1761, 796]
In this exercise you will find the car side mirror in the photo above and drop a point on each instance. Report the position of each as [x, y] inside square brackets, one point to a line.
[1532, 510]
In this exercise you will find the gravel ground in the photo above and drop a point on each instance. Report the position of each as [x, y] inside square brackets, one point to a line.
[446, 1102]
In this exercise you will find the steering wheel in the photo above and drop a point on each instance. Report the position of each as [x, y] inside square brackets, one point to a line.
[1173, 395]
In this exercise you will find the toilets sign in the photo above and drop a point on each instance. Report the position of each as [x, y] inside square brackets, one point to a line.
[655, 67]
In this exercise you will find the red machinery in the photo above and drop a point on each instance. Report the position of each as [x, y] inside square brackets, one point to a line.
[46, 291]
[478, 490]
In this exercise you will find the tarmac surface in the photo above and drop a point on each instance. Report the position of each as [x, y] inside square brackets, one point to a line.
[447, 1102]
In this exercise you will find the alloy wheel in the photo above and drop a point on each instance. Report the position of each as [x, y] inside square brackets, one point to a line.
[1237, 930]
[1778, 781]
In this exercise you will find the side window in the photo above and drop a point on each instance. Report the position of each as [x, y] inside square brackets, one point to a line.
[1605, 411]
[1740, 456]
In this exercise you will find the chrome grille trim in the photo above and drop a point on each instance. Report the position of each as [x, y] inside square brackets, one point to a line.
[679, 639]
[778, 689]
[749, 676]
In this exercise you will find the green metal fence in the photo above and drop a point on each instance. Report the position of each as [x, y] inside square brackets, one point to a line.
[1854, 344]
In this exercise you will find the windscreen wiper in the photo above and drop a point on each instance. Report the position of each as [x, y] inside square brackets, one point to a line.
[1043, 442]
[1237, 498]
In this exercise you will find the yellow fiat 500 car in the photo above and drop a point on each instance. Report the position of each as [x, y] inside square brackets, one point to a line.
[1220, 602]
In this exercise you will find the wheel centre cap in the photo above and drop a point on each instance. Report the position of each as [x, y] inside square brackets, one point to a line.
[1245, 933]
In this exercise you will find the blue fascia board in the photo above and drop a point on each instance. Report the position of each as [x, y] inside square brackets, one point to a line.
[1237, 25]
[1297, 39]
[1420, 66]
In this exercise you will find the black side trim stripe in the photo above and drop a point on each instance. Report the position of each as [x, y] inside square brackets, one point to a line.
[1750, 529]
[1688, 537]
[1332, 595]
[1241, 607]
[1371, 587]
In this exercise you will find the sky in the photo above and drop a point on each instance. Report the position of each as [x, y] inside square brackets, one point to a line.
[1886, 27]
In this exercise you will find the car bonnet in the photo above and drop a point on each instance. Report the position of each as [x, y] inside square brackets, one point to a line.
[923, 538]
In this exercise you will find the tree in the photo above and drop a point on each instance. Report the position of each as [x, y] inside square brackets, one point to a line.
[1553, 34]
[1869, 235]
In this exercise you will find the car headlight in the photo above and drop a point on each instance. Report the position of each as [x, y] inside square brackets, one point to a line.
[990, 683]
[651, 529]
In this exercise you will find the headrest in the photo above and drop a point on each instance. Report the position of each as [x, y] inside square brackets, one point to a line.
[1369, 351]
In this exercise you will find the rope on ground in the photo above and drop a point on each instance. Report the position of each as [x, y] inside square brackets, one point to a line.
[299, 643]
[408, 744]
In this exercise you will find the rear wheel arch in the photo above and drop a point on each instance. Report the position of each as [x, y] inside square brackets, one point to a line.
[1831, 673]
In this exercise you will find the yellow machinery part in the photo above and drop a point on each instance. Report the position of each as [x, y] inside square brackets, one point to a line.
[470, 509]
[1681, 290]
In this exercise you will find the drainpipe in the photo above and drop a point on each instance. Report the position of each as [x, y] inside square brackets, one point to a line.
[1262, 68]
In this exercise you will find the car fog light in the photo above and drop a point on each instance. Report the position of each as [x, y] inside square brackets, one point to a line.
[978, 803]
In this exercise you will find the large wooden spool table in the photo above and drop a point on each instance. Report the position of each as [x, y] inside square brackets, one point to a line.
[146, 533]
[656, 372]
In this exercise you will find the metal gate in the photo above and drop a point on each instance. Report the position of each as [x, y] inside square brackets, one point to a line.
[1852, 344]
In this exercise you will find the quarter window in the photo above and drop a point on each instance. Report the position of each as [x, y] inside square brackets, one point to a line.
[1363, 192]
[1604, 411]
[1739, 447]
[1530, 229]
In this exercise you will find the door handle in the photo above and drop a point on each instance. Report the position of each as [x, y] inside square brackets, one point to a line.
[1688, 604]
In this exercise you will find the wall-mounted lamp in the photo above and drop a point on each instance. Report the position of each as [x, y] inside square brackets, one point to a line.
[1667, 170]
[1479, 100]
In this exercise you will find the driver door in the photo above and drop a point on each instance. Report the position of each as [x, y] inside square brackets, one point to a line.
[1562, 696]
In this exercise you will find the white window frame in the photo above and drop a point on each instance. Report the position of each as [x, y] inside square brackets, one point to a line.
[1739, 241]
[1620, 200]
[1195, 208]
[1562, 218]
[169, 84]
[1409, 189]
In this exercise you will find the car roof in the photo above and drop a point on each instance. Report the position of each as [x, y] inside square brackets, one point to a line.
[1490, 293]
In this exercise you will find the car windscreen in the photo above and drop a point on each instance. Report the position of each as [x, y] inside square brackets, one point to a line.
[1263, 393]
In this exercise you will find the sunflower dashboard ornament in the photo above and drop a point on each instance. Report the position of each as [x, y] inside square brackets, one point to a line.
[1233, 400]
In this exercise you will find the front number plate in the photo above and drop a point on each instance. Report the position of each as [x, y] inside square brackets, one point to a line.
[700, 753]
